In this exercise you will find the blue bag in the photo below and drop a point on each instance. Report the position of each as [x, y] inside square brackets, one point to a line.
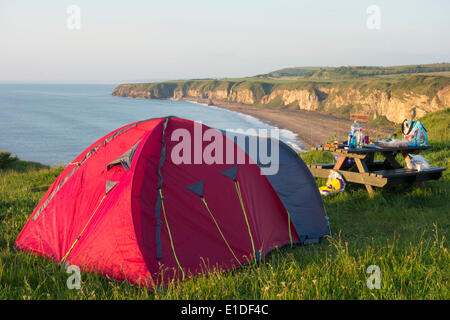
[415, 132]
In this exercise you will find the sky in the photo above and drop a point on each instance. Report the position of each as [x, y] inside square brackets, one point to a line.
[130, 41]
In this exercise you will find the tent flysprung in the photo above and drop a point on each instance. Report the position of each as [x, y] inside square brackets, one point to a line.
[128, 209]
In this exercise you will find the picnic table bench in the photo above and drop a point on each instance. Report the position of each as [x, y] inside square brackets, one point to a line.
[365, 170]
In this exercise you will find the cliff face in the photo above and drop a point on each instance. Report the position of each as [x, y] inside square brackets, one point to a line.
[396, 100]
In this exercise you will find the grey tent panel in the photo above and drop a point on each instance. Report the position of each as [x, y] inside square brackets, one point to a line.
[110, 185]
[295, 187]
[125, 159]
[299, 193]
[197, 188]
[158, 226]
[159, 199]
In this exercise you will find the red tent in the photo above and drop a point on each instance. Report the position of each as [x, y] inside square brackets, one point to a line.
[123, 208]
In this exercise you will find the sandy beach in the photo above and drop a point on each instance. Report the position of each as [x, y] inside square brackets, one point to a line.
[312, 128]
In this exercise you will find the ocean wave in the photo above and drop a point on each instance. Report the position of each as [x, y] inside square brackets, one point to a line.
[287, 136]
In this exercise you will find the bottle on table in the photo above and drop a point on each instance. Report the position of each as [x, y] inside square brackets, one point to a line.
[360, 137]
[354, 128]
[356, 133]
[353, 142]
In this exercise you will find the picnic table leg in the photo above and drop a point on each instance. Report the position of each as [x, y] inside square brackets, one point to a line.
[390, 158]
[369, 158]
[339, 163]
[362, 167]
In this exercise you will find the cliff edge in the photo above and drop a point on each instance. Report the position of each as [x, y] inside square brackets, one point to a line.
[396, 99]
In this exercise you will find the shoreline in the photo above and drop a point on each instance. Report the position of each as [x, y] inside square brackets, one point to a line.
[312, 128]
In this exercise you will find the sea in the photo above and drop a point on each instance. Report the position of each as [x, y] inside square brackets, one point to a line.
[53, 123]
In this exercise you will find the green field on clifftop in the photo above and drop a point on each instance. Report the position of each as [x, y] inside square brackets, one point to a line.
[352, 72]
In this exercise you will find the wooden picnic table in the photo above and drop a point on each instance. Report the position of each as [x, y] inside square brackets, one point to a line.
[365, 170]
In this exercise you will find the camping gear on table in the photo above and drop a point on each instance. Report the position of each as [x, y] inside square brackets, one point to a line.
[335, 184]
[359, 138]
[374, 173]
[415, 133]
[128, 209]
[349, 139]
[389, 143]
[356, 136]
[356, 132]
[355, 127]
[353, 142]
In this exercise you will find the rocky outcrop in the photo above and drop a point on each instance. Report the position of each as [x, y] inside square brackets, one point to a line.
[396, 100]
[303, 99]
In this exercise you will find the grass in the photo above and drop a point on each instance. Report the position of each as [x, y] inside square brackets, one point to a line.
[403, 230]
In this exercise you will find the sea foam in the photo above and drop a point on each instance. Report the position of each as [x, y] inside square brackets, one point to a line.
[287, 136]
